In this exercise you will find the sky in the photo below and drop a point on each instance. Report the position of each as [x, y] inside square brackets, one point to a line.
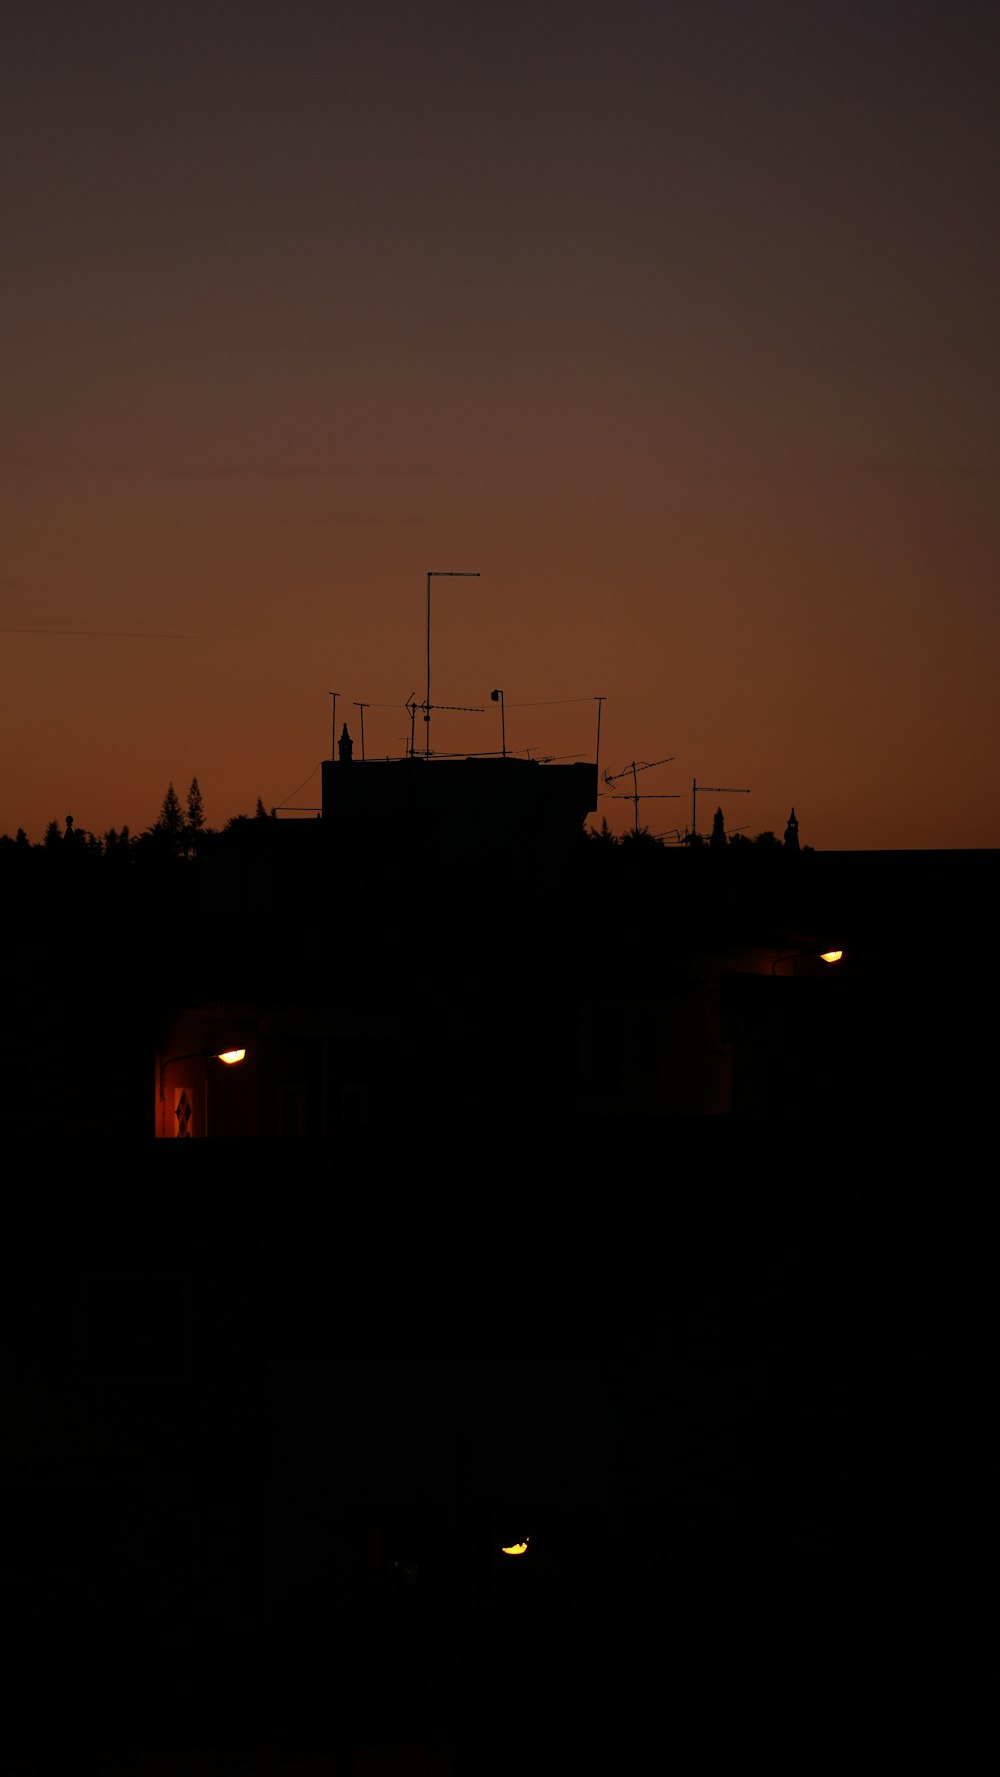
[674, 321]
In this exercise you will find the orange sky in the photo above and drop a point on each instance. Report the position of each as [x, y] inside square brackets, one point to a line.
[677, 322]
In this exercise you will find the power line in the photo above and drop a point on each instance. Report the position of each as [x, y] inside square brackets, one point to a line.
[546, 702]
[131, 635]
[300, 786]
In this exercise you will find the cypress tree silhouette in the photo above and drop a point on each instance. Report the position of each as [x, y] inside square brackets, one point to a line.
[171, 821]
[195, 821]
[718, 837]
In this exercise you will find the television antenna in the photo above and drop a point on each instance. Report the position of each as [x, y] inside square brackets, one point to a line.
[411, 707]
[711, 790]
[614, 777]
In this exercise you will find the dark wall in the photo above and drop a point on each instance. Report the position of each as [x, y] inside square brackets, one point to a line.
[269, 1421]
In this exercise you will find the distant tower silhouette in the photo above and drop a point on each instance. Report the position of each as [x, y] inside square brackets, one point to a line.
[792, 833]
[345, 747]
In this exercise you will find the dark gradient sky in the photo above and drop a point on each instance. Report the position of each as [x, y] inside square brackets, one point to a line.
[678, 321]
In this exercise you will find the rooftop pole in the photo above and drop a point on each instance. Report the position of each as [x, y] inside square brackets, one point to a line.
[362, 707]
[438, 574]
[597, 758]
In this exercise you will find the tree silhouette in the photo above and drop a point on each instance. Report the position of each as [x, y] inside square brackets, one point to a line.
[602, 834]
[195, 820]
[171, 821]
[260, 812]
[718, 836]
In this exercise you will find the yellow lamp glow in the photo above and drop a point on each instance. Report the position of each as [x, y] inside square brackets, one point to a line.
[830, 956]
[229, 1056]
[515, 1548]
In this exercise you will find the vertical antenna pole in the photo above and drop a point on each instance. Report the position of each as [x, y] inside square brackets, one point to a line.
[438, 574]
[597, 759]
[635, 797]
[362, 707]
[497, 697]
[694, 805]
[427, 700]
[333, 744]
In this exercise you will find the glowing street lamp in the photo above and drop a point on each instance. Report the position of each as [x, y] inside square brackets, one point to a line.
[793, 956]
[229, 1056]
[515, 1548]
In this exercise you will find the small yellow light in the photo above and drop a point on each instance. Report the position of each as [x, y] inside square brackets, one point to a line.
[515, 1548]
[830, 956]
[229, 1056]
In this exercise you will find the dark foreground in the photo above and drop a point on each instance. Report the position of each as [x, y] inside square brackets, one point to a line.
[271, 1414]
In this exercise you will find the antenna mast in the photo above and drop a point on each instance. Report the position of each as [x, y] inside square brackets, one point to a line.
[597, 755]
[362, 707]
[711, 790]
[634, 768]
[438, 574]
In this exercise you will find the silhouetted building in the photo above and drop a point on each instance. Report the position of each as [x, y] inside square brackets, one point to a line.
[512, 800]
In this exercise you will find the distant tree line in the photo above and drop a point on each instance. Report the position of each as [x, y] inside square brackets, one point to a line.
[718, 840]
[178, 831]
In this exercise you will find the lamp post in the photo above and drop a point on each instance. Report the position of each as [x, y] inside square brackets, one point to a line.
[494, 695]
[230, 1057]
[362, 707]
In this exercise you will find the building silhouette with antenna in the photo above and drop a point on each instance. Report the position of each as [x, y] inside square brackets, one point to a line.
[517, 798]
